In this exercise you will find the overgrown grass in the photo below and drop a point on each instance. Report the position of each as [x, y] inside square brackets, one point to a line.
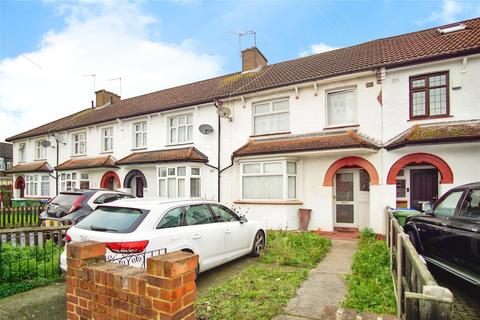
[261, 291]
[296, 249]
[370, 287]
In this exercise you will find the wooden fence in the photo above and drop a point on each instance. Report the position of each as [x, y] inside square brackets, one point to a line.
[20, 217]
[33, 236]
[418, 294]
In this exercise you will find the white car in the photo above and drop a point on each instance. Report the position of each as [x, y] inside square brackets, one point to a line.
[135, 229]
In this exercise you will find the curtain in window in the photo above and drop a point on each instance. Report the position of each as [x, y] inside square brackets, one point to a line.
[263, 187]
[271, 123]
[341, 107]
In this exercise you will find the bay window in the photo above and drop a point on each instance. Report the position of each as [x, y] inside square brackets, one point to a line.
[429, 95]
[271, 117]
[275, 180]
[179, 182]
[73, 180]
[79, 143]
[37, 185]
[181, 129]
[341, 107]
[40, 151]
[107, 139]
[140, 134]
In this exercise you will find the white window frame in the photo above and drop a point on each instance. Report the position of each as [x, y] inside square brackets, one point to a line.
[3, 164]
[79, 143]
[327, 106]
[187, 178]
[107, 139]
[71, 180]
[173, 139]
[270, 112]
[284, 173]
[22, 152]
[40, 151]
[34, 183]
[142, 132]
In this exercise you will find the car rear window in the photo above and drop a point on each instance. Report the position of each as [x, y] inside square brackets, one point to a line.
[62, 203]
[112, 219]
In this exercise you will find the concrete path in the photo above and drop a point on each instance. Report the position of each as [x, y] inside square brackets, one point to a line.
[325, 285]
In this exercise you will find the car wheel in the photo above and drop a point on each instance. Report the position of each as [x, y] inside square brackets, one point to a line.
[258, 244]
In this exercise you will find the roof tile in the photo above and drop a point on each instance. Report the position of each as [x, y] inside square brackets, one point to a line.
[37, 166]
[86, 163]
[190, 154]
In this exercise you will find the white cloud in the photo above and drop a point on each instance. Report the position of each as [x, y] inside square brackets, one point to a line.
[449, 12]
[109, 40]
[317, 48]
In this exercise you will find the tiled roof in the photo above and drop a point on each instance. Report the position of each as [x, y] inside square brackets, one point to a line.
[416, 47]
[343, 140]
[190, 154]
[436, 133]
[37, 166]
[86, 163]
[6, 150]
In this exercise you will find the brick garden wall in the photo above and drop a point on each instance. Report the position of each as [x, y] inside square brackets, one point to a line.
[97, 289]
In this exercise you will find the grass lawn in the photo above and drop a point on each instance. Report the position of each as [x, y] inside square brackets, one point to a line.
[370, 287]
[262, 290]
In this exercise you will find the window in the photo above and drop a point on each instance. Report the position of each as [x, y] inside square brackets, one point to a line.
[40, 151]
[2, 164]
[269, 180]
[198, 214]
[80, 143]
[448, 205]
[21, 152]
[73, 180]
[181, 129]
[341, 107]
[107, 139]
[37, 185]
[223, 214]
[401, 188]
[271, 117]
[171, 219]
[121, 220]
[110, 197]
[471, 205]
[364, 180]
[140, 134]
[429, 95]
[179, 182]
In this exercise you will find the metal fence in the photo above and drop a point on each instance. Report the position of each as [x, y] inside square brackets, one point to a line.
[418, 294]
[135, 259]
[20, 217]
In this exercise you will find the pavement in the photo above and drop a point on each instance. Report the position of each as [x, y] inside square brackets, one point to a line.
[325, 285]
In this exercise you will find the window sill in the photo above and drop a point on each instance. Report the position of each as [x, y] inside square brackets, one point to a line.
[78, 155]
[178, 144]
[430, 117]
[40, 159]
[269, 134]
[274, 202]
[342, 127]
[107, 152]
[138, 149]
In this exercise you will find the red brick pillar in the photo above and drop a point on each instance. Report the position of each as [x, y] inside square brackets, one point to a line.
[171, 284]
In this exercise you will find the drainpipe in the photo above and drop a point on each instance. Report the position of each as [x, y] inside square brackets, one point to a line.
[56, 171]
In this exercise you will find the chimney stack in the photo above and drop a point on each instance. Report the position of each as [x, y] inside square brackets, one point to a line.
[252, 59]
[105, 97]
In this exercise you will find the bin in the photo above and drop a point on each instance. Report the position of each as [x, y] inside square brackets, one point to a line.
[401, 214]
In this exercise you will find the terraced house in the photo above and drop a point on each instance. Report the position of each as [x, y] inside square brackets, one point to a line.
[394, 121]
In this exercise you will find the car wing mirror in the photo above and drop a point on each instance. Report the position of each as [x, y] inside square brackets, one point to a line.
[243, 219]
[427, 208]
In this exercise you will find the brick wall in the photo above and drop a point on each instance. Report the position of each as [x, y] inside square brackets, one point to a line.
[97, 289]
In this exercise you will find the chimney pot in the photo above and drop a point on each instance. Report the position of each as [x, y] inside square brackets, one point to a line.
[252, 59]
[105, 97]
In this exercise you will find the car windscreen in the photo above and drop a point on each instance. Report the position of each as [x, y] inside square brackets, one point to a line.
[61, 204]
[113, 219]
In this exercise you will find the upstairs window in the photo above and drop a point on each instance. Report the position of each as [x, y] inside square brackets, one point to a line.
[79, 143]
[271, 117]
[429, 95]
[21, 152]
[341, 107]
[140, 134]
[40, 151]
[181, 129]
[107, 139]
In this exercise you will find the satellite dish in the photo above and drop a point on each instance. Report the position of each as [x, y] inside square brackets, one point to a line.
[46, 143]
[224, 112]
[205, 129]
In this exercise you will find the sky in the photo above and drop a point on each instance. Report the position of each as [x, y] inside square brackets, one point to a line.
[49, 49]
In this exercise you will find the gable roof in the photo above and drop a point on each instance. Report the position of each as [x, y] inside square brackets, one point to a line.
[37, 166]
[410, 48]
[86, 163]
[344, 140]
[190, 154]
[441, 132]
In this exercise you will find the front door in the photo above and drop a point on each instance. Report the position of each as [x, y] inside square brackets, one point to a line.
[344, 199]
[139, 187]
[423, 187]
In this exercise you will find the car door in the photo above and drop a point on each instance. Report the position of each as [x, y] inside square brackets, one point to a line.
[237, 236]
[206, 236]
[169, 232]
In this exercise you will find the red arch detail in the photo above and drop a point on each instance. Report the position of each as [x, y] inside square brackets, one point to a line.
[418, 158]
[349, 162]
[19, 183]
[107, 176]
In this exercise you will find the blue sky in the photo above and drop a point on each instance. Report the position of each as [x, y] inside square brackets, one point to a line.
[48, 46]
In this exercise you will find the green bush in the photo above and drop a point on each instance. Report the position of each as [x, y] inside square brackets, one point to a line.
[370, 287]
[296, 249]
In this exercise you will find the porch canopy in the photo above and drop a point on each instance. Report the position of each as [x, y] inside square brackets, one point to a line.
[190, 154]
[37, 166]
[87, 163]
